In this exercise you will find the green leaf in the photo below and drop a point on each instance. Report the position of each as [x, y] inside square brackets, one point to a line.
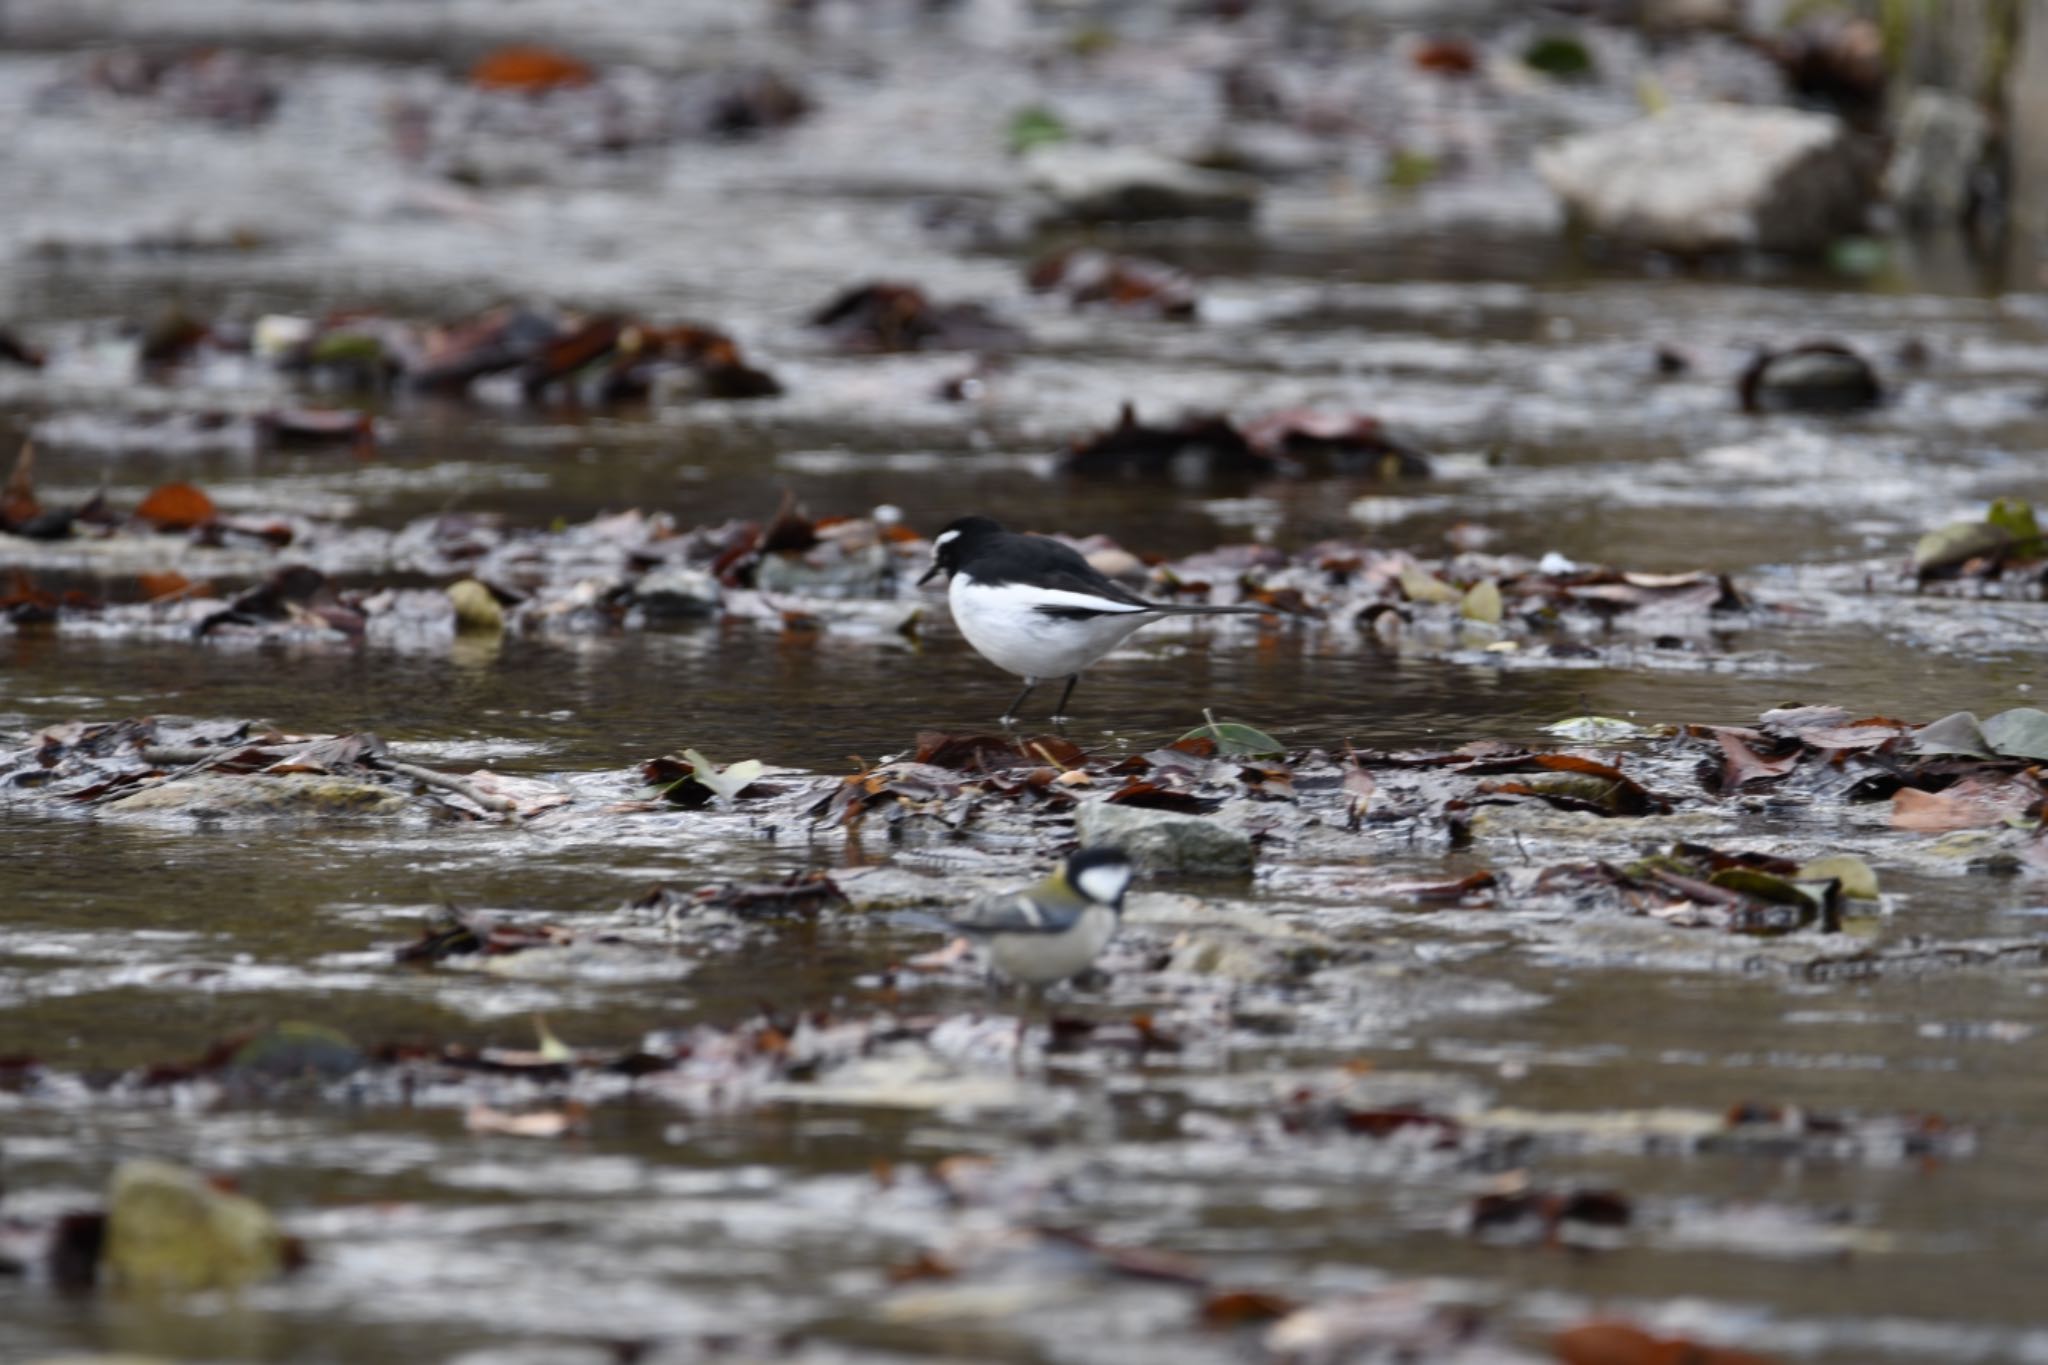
[1858, 881]
[2019, 733]
[1482, 603]
[1408, 170]
[1561, 56]
[728, 782]
[2015, 517]
[1035, 126]
[1233, 740]
[1958, 542]
[1953, 734]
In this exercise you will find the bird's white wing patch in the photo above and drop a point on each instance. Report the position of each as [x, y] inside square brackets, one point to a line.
[1031, 597]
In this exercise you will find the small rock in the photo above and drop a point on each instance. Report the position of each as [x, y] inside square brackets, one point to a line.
[260, 796]
[477, 609]
[294, 1051]
[1704, 178]
[675, 594]
[1821, 376]
[1128, 184]
[1166, 841]
[169, 1230]
[1936, 155]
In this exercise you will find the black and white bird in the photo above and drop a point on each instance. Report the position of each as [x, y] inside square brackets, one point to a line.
[1036, 608]
[1052, 929]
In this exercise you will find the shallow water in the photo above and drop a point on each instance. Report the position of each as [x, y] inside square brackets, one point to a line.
[769, 1228]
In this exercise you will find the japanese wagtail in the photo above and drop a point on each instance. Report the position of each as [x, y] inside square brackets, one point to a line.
[1052, 929]
[1036, 608]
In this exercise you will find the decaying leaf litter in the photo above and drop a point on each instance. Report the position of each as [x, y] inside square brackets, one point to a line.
[1369, 1042]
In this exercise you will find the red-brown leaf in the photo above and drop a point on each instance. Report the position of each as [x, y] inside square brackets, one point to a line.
[529, 68]
[177, 507]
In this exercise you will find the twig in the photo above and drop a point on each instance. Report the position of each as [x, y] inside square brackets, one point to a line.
[448, 782]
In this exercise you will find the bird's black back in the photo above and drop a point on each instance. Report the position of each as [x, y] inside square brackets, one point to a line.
[990, 555]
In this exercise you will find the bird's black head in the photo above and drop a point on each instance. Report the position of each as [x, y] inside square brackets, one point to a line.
[952, 546]
[1102, 874]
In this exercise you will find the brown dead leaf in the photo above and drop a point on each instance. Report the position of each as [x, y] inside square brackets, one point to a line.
[1973, 803]
[1235, 1307]
[1742, 764]
[177, 507]
[18, 500]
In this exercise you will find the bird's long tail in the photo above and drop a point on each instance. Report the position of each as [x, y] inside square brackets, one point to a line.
[1176, 610]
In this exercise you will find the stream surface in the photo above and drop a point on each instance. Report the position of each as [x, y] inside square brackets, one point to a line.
[769, 1230]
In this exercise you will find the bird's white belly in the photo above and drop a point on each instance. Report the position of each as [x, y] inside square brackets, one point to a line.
[1005, 627]
[1041, 959]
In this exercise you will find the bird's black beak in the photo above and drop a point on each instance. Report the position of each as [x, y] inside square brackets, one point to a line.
[930, 574]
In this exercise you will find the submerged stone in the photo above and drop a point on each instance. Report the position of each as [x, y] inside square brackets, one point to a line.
[260, 796]
[1129, 184]
[169, 1231]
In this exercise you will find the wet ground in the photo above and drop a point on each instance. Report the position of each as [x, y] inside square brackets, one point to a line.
[889, 1202]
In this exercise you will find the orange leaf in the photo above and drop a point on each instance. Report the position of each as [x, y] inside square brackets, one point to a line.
[529, 68]
[177, 507]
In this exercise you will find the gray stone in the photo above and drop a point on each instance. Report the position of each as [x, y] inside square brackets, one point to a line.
[1936, 154]
[1128, 184]
[1166, 841]
[260, 796]
[1703, 178]
[678, 593]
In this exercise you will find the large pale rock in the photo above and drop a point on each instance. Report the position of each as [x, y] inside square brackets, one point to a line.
[1166, 841]
[170, 1231]
[1128, 184]
[1704, 178]
[1936, 155]
[260, 796]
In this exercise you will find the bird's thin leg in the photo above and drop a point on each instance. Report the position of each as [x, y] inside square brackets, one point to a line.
[1060, 712]
[1010, 716]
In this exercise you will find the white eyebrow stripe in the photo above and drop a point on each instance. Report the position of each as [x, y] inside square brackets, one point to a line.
[945, 537]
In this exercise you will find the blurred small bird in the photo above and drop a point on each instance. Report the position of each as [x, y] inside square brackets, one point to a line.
[1036, 608]
[1054, 928]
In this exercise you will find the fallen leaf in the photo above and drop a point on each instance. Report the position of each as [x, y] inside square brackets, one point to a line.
[1235, 1307]
[1973, 803]
[1482, 603]
[728, 782]
[1858, 881]
[177, 507]
[1233, 740]
[544, 1123]
[2019, 733]
[529, 68]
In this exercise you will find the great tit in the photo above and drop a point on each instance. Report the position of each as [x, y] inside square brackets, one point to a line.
[1054, 928]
